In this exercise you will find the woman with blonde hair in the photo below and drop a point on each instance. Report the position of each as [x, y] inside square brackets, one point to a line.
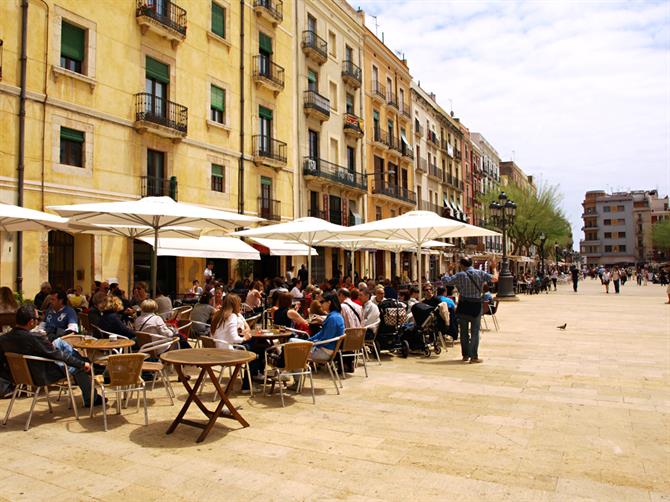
[8, 304]
[111, 320]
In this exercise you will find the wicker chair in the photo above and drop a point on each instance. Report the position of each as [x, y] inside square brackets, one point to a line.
[296, 363]
[330, 363]
[18, 366]
[371, 343]
[180, 313]
[124, 372]
[353, 346]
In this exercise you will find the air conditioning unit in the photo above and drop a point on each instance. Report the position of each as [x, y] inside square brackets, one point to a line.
[310, 164]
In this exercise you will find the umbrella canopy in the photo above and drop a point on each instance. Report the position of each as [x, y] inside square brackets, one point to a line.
[205, 247]
[154, 212]
[308, 231]
[418, 227]
[277, 247]
[17, 219]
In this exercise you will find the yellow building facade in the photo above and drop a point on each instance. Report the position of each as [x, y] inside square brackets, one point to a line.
[192, 100]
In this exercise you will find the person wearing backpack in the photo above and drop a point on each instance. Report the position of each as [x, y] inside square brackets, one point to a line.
[470, 283]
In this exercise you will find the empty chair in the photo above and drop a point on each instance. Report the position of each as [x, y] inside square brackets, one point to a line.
[295, 363]
[353, 346]
[156, 368]
[370, 342]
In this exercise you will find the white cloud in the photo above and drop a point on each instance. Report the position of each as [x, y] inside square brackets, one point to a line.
[579, 90]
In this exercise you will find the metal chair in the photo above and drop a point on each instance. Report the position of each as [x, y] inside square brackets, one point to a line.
[491, 310]
[371, 343]
[180, 313]
[353, 346]
[330, 362]
[194, 333]
[124, 372]
[296, 363]
[18, 366]
[7, 320]
[155, 349]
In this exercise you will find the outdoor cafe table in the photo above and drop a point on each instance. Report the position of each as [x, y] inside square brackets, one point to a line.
[99, 345]
[206, 359]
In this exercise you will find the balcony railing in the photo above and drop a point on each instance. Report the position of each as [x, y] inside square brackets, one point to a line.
[315, 46]
[272, 8]
[352, 125]
[425, 205]
[155, 186]
[422, 165]
[317, 213]
[378, 90]
[406, 110]
[315, 101]
[351, 73]
[379, 136]
[154, 110]
[383, 188]
[339, 174]
[432, 137]
[269, 148]
[164, 12]
[270, 209]
[392, 99]
[435, 171]
[406, 150]
[266, 70]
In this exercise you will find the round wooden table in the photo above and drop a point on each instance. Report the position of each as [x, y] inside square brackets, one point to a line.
[99, 345]
[267, 334]
[206, 360]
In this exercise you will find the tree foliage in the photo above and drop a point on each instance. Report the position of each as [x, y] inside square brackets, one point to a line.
[660, 234]
[536, 213]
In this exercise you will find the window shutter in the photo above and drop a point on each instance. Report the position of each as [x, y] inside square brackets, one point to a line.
[218, 20]
[265, 43]
[265, 113]
[72, 42]
[217, 170]
[157, 70]
[71, 135]
[218, 99]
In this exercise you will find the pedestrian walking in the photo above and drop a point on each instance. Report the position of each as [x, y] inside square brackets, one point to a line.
[554, 277]
[616, 279]
[575, 277]
[470, 283]
[605, 278]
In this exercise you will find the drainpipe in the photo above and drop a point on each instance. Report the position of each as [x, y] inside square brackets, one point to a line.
[22, 138]
[240, 169]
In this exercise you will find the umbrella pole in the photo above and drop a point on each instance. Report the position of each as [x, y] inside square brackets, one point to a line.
[418, 254]
[310, 280]
[131, 264]
[353, 262]
[154, 263]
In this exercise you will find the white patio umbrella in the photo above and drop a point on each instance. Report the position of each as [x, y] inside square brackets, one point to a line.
[278, 247]
[18, 219]
[418, 227]
[205, 247]
[154, 212]
[308, 231]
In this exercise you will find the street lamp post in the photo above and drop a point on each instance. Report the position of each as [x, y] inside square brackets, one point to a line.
[543, 239]
[503, 213]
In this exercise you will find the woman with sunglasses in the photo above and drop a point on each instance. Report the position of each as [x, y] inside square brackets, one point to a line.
[333, 326]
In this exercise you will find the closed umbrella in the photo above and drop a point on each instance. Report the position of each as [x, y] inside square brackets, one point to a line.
[156, 213]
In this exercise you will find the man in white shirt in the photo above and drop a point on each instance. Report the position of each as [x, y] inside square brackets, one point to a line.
[370, 310]
[379, 295]
[351, 312]
[296, 293]
[209, 271]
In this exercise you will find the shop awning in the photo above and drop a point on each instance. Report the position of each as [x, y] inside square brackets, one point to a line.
[404, 139]
[205, 247]
[276, 247]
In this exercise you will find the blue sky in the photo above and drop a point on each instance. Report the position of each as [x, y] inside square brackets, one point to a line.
[577, 92]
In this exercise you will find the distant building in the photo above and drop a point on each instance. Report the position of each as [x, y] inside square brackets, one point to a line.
[510, 172]
[617, 227]
[490, 178]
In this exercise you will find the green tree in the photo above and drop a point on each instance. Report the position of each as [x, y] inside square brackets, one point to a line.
[660, 234]
[536, 213]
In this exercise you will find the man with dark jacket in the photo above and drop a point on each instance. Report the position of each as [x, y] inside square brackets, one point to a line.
[21, 340]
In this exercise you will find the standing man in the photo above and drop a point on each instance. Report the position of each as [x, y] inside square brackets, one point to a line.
[302, 275]
[209, 272]
[575, 277]
[470, 283]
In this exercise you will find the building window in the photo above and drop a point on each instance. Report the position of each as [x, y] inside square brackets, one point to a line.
[333, 96]
[218, 20]
[619, 208]
[350, 103]
[72, 47]
[265, 54]
[332, 45]
[312, 81]
[157, 81]
[351, 159]
[622, 235]
[71, 147]
[607, 209]
[156, 174]
[217, 178]
[378, 213]
[608, 222]
[608, 249]
[622, 248]
[218, 104]
[608, 235]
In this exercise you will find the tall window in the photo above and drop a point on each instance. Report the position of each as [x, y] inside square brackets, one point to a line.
[218, 104]
[348, 54]
[265, 53]
[311, 23]
[333, 96]
[351, 159]
[217, 178]
[332, 44]
[72, 47]
[71, 147]
[266, 197]
[218, 20]
[265, 116]
[378, 213]
[375, 75]
[313, 142]
[156, 86]
[155, 173]
[312, 81]
[350, 103]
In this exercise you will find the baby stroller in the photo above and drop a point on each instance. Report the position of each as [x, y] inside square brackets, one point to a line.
[392, 315]
[421, 335]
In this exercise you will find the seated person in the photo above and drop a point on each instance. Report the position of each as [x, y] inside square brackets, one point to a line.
[111, 318]
[255, 298]
[196, 290]
[8, 304]
[287, 316]
[95, 312]
[149, 322]
[370, 313]
[60, 318]
[201, 315]
[77, 299]
[23, 340]
[486, 293]
[442, 296]
[333, 326]
[164, 303]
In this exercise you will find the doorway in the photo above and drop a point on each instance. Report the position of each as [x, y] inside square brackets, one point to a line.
[61, 260]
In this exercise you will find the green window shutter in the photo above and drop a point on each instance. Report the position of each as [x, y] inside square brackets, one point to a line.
[217, 170]
[265, 43]
[71, 135]
[218, 20]
[157, 71]
[266, 181]
[311, 77]
[265, 113]
[72, 43]
[218, 99]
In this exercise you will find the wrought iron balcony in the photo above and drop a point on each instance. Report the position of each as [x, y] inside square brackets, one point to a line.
[267, 73]
[392, 99]
[314, 46]
[162, 16]
[435, 172]
[270, 209]
[406, 110]
[269, 151]
[432, 137]
[317, 213]
[422, 165]
[425, 205]
[378, 91]
[394, 144]
[418, 129]
[351, 74]
[352, 125]
[406, 150]
[272, 10]
[379, 138]
[154, 186]
[161, 116]
[317, 105]
[339, 174]
[381, 187]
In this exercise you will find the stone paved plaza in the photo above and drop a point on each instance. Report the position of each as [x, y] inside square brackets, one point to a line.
[580, 414]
